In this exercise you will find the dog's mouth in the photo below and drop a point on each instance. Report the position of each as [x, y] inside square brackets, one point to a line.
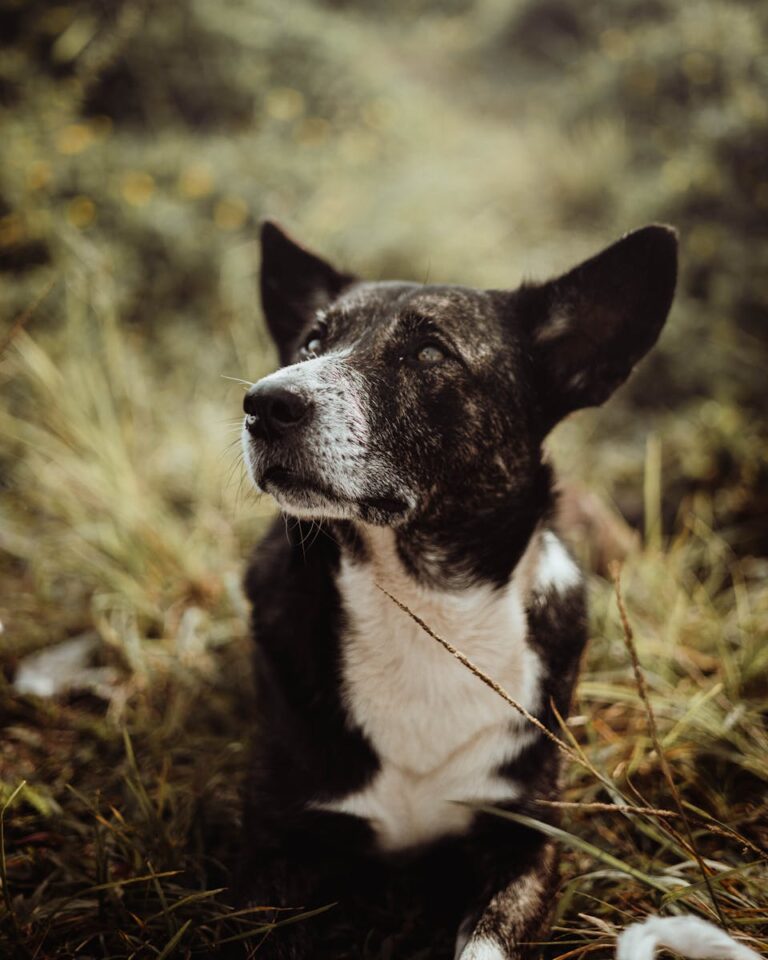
[292, 489]
[288, 485]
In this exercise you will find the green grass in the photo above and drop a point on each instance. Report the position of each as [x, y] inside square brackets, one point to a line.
[121, 520]
[474, 148]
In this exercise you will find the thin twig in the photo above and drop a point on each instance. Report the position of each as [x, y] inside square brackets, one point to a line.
[576, 746]
[627, 808]
[642, 689]
[608, 807]
[488, 681]
[575, 753]
[577, 756]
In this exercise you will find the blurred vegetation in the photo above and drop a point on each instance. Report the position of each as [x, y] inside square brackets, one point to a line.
[474, 141]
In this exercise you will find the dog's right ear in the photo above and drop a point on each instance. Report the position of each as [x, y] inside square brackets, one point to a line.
[589, 327]
[295, 284]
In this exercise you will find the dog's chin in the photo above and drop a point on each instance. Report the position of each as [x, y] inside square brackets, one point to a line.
[309, 498]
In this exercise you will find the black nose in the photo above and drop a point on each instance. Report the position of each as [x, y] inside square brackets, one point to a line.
[273, 410]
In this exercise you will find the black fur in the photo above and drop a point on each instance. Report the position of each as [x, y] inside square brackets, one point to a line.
[445, 449]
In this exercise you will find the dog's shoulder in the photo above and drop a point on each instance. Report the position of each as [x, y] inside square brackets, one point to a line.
[295, 615]
[305, 745]
[290, 579]
[556, 612]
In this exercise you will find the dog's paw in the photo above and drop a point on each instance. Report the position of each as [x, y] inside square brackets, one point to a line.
[483, 948]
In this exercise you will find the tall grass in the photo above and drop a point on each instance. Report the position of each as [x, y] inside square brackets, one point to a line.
[120, 518]
[124, 475]
[476, 146]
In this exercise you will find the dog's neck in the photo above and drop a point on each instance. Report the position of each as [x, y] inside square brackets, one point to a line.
[383, 556]
[461, 543]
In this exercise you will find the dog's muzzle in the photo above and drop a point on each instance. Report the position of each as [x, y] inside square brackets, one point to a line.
[272, 411]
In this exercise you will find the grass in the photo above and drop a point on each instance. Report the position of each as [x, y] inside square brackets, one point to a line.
[138, 160]
[120, 817]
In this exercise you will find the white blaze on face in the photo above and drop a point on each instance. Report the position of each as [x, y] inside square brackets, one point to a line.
[335, 444]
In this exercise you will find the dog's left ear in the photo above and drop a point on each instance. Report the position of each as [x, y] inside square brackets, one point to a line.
[590, 327]
[295, 284]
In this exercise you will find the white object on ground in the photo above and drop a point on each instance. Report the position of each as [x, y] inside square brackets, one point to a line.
[688, 936]
[64, 667]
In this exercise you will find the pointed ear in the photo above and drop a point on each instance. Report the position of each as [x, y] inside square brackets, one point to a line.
[294, 285]
[591, 326]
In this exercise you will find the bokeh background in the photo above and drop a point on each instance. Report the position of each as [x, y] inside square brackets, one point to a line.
[473, 141]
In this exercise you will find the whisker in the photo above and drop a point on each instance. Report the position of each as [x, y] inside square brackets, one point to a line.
[248, 383]
[328, 535]
[318, 531]
[231, 449]
[302, 539]
[237, 461]
[305, 536]
[243, 491]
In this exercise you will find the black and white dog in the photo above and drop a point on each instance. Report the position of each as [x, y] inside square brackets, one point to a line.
[408, 420]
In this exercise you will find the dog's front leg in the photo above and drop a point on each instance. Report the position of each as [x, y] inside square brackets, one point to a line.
[304, 865]
[282, 888]
[510, 922]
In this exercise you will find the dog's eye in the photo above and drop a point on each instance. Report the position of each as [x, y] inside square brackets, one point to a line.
[314, 342]
[429, 354]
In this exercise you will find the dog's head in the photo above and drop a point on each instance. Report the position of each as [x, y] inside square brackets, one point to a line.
[396, 398]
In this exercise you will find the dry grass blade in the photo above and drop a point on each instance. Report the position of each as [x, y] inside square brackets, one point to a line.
[628, 808]
[642, 689]
[184, 901]
[26, 315]
[607, 807]
[274, 924]
[169, 948]
[557, 833]
[127, 882]
[719, 880]
[574, 753]
[488, 681]
[10, 912]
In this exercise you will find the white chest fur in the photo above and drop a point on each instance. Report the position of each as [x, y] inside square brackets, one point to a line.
[440, 732]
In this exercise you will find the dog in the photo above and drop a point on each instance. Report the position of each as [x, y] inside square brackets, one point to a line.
[403, 438]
